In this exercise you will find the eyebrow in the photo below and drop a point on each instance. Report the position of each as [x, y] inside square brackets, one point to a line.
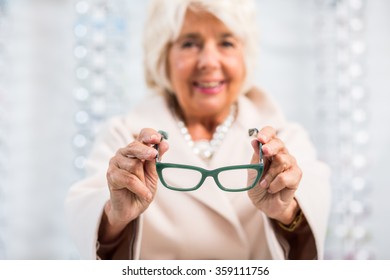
[194, 35]
[225, 35]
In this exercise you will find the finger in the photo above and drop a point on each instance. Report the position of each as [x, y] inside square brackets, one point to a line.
[274, 147]
[287, 194]
[279, 164]
[149, 136]
[163, 147]
[288, 180]
[134, 166]
[138, 150]
[120, 179]
[256, 156]
[266, 134]
[150, 166]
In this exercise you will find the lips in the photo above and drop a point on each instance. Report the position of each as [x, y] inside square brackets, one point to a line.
[209, 87]
[208, 84]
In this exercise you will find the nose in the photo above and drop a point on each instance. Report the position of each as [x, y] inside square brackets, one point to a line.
[209, 57]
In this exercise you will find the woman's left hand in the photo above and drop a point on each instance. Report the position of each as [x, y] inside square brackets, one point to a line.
[274, 195]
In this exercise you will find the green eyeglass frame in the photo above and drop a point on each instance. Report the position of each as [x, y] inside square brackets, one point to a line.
[258, 167]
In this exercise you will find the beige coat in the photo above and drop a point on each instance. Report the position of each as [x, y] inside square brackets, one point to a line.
[207, 223]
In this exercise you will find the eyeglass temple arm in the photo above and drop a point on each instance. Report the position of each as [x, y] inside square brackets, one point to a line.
[254, 132]
[164, 135]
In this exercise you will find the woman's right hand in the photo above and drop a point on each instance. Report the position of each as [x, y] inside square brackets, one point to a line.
[132, 181]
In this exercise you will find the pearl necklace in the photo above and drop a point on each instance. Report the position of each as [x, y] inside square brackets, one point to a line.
[204, 148]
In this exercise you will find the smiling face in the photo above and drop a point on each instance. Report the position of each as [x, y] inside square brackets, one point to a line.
[206, 67]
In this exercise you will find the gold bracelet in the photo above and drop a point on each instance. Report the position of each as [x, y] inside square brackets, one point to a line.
[294, 224]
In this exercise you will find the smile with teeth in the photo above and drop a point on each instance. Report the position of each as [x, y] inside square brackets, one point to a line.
[207, 85]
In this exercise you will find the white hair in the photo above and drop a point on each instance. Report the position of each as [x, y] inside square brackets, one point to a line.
[164, 22]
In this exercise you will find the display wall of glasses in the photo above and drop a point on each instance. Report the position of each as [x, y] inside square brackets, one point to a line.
[343, 124]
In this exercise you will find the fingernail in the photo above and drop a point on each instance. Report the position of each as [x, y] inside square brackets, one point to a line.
[154, 137]
[263, 184]
[269, 191]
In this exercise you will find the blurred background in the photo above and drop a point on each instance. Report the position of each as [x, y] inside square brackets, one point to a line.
[68, 65]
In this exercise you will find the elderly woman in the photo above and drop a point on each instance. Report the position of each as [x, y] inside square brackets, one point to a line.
[199, 58]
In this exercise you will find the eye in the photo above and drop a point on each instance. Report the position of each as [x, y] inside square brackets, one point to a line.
[227, 44]
[188, 44]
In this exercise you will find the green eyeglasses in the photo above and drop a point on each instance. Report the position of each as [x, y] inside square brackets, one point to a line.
[235, 178]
